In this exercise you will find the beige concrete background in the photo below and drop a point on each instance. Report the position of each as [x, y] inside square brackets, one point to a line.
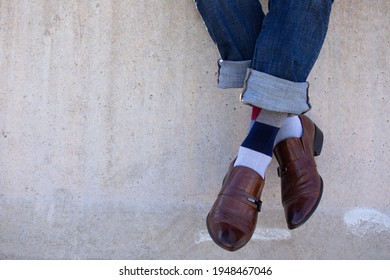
[114, 138]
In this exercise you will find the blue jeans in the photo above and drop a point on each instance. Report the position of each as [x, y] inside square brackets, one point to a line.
[269, 55]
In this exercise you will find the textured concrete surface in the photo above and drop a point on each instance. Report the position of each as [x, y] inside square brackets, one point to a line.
[114, 138]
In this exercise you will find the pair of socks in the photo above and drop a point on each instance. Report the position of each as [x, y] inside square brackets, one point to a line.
[267, 129]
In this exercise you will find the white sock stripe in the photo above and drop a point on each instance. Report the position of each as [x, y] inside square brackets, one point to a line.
[291, 128]
[252, 159]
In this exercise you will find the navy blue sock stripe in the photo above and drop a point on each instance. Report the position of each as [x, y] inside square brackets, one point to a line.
[261, 138]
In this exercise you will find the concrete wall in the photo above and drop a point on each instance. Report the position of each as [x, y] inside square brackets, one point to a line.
[114, 138]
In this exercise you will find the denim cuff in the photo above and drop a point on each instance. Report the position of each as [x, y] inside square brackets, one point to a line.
[232, 74]
[275, 94]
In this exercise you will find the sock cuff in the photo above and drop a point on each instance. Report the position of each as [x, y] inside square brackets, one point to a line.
[271, 118]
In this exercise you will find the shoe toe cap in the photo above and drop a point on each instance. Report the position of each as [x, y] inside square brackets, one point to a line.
[228, 236]
[299, 212]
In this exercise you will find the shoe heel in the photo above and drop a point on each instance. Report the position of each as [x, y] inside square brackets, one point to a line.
[318, 141]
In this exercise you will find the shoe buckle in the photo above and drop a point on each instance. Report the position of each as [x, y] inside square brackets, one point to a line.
[257, 202]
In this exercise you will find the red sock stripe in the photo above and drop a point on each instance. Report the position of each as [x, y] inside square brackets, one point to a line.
[255, 112]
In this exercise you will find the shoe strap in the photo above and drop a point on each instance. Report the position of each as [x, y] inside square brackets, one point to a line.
[242, 196]
[303, 163]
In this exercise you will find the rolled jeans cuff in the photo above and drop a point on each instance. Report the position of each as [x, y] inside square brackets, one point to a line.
[232, 74]
[275, 94]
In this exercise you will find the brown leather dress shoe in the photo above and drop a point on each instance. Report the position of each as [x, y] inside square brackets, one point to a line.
[301, 184]
[233, 217]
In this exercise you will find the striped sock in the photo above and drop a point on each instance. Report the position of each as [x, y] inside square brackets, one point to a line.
[256, 150]
[255, 113]
[291, 128]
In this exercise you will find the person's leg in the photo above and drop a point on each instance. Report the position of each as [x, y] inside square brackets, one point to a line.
[286, 50]
[234, 26]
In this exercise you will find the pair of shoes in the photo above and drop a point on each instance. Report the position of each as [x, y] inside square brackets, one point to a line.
[233, 217]
[301, 184]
